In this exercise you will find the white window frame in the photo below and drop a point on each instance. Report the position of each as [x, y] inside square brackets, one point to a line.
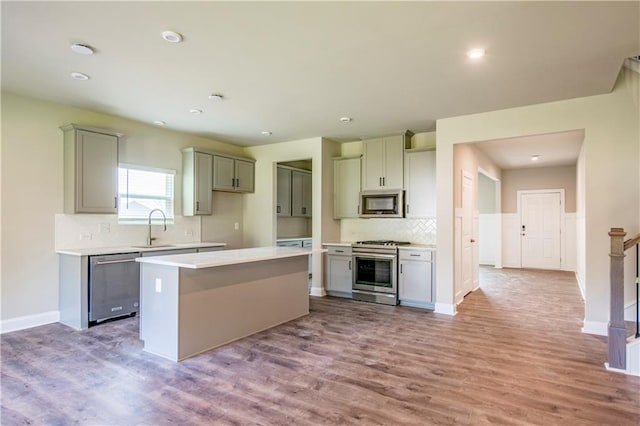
[156, 218]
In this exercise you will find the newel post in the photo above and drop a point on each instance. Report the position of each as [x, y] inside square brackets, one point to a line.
[617, 329]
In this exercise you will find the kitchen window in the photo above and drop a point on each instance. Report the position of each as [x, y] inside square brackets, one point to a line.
[142, 189]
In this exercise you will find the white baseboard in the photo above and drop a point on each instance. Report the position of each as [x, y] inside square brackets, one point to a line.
[630, 312]
[580, 285]
[28, 321]
[446, 308]
[598, 328]
[317, 291]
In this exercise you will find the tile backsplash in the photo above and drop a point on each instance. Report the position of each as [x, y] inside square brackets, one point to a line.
[417, 231]
[103, 230]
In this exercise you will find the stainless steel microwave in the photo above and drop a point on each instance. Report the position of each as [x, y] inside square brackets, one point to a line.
[382, 203]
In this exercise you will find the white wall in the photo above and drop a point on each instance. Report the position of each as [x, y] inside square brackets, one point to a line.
[611, 146]
[32, 191]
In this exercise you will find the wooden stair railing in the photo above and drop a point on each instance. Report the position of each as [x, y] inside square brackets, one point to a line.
[617, 330]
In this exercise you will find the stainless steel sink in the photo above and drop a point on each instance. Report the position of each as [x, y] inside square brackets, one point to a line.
[154, 246]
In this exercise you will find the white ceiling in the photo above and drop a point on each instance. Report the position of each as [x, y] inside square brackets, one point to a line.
[295, 68]
[553, 149]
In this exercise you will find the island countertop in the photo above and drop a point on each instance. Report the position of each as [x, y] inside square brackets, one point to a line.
[226, 257]
[99, 251]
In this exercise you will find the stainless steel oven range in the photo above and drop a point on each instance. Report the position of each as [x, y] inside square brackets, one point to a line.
[375, 271]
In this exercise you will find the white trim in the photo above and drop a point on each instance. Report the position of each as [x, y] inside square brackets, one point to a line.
[317, 291]
[599, 328]
[446, 309]
[28, 321]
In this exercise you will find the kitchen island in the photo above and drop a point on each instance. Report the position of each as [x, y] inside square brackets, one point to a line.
[190, 303]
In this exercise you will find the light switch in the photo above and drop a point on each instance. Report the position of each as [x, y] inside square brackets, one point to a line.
[85, 236]
[158, 285]
[104, 228]
[236, 226]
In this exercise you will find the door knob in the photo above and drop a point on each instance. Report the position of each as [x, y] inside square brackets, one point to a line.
[473, 241]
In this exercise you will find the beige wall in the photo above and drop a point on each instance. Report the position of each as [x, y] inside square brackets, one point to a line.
[487, 195]
[260, 218]
[563, 177]
[611, 145]
[469, 158]
[32, 189]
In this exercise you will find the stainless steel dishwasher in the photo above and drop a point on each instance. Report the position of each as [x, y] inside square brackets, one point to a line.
[114, 286]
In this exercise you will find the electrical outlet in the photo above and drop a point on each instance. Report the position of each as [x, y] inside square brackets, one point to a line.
[85, 236]
[236, 226]
[104, 228]
[188, 233]
[158, 285]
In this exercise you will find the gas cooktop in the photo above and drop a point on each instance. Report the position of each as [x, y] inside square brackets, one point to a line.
[381, 243]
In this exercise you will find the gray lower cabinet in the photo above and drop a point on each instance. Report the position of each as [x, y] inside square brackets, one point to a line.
[338, 272]
[416, 277]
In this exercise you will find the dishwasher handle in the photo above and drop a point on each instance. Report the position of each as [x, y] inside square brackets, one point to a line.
[109, 262]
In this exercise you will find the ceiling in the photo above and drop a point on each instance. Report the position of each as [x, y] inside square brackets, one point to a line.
[551, 149]
[294, 68]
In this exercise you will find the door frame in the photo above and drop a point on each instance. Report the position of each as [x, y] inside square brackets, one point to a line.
[519, 194]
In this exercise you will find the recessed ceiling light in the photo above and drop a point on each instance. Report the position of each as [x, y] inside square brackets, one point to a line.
[535, 157]
[79, 76]
[159, 123]
[195, 111]
[266, 133]
[216, 97]
[82, 49]
[346, 119]
[475, 53]
[172, 36]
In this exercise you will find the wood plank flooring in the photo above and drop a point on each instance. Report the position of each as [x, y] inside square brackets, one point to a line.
[514, 354]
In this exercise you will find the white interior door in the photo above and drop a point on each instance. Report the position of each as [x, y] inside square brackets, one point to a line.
[540, 214]
[467, 232]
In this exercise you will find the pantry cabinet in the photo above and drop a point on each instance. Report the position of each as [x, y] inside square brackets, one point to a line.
[301, 186]
[416, 277]
[346, 187]
[90, 170]
[283, 203]
[196, 182]
[420, 183]
[233, 174]
[383, 162]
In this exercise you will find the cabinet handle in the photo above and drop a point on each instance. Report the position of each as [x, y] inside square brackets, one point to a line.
[197, 206]
[109, 262]
[277, 209]
[341, 251]
[358, 208]
[304, 210]
[414, 255]
[115, 202]
[379, 181]
[349, 265]
[384, 181]
[407, 208]
[401, 268]
[237, 182]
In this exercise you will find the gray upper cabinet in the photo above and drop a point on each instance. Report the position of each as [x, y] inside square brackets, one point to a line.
[232, 174]
[197, 168]
[90, 170]
[301, 193]
[420, 183]
[383, 162]
[283, 206]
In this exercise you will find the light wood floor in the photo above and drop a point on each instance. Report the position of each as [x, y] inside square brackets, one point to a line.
[514, 354]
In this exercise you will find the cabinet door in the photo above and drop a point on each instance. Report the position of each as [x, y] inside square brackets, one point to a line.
[420, 184]
[415, 282]
[346, 188]
[393, 176]
[283, 206]
[223, 173]
[97, 172]
[339, 273]
[244, 176]
[300, 194]
[202, 183]
[372, 163]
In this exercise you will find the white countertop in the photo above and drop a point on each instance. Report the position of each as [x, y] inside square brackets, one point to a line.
[96, 251]
[226, 257]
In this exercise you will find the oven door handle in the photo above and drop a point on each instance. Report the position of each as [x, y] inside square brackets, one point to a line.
[374, 256]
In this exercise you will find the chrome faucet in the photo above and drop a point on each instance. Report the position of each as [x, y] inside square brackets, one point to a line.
[164, 219]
